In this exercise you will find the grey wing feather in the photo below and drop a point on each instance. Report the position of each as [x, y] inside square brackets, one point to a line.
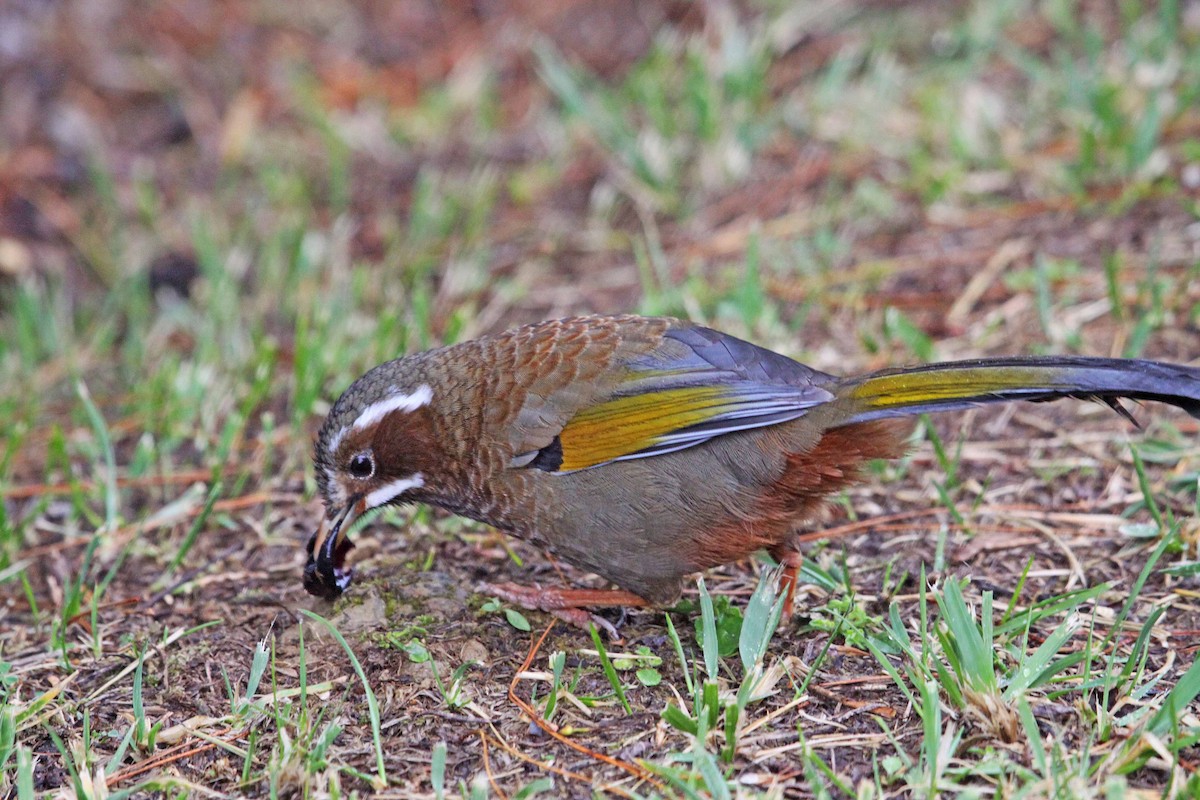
[762, 387]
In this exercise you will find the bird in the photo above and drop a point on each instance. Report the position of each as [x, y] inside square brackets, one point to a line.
[648, 449]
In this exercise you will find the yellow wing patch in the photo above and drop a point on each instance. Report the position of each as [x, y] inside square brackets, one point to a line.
[626, 425]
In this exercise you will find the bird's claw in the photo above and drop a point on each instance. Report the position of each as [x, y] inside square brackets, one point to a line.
[565, 604]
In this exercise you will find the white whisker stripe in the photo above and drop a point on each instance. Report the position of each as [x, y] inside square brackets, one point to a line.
[337, 497]
[390, 491]
[397, 402]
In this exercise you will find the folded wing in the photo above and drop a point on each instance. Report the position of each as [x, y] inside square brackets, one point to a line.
[692, 385]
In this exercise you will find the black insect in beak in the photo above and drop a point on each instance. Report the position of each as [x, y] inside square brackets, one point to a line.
[325, 574]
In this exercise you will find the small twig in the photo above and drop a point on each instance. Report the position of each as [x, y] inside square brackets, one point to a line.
[142, 481]
[866, 524]
[487, 767]
[180, 751]
[633, 769]
[191, 575]
[542, 765]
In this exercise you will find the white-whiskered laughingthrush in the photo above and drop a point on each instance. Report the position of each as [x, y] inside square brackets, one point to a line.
[645, 450]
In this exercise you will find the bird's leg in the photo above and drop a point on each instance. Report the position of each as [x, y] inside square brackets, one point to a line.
[569, 605]
[790, 559]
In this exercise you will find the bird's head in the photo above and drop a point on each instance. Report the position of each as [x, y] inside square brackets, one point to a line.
[374, 449]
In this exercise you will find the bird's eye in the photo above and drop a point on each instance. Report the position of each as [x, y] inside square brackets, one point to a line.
[362, 465]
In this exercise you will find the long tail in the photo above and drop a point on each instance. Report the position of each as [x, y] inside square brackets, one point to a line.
[961, 384]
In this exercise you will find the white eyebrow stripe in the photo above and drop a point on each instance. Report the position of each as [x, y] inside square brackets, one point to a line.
[390, 491]
[397, 402]
[336, 441]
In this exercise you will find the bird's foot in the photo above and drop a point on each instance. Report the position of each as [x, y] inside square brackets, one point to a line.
[569, 605]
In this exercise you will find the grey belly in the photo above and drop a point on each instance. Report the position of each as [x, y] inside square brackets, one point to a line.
[636, 522]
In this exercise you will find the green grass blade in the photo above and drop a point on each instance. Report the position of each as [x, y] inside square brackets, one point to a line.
[372, 704]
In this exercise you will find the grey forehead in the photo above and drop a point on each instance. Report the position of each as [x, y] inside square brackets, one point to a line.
[400, 375]
[378, 382]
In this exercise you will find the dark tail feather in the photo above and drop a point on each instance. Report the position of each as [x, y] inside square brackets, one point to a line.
[962, 384]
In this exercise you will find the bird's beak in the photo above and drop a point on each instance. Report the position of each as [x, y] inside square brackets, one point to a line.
[325, 574]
